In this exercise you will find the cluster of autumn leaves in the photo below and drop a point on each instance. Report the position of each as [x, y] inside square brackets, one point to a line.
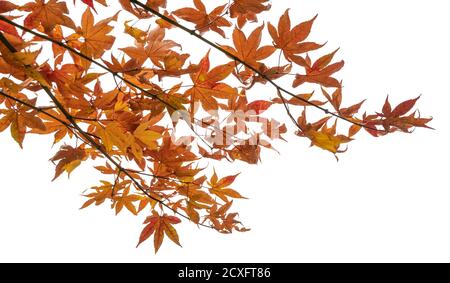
[149, 171]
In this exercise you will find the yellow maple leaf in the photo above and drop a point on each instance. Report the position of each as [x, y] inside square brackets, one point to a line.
[146, 136]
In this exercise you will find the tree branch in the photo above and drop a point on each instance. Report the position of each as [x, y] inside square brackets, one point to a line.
[237, 59]
[93, 143]
[114, 74]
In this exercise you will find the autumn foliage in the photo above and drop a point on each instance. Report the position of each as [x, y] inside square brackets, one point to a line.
[122, 107]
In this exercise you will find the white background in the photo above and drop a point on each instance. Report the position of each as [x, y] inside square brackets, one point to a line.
[387, 199]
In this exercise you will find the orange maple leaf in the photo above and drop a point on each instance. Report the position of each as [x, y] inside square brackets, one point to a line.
[68, 159]
[96, 38]
[207, 84]
[320, 72]
[48, 14]
[393, 119]
[220, 187]
[160, 226]
[291, 41]
[155, 48]
[247, 49]
[247, 10]
[203, 20]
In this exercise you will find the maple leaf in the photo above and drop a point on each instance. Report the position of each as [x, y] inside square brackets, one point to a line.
[207, 86]
[113, 135]
[11, 32]
[162, 23]
[196, 197]
[138, 34]
[395, 118]
[68, 159]
[336, 100]
[250, 78]
[156, 48]
[90, 3]
[107, 191]
[217, 213]
[146, 136]
[171, 154]
[25, 62]
[247, 49]
[320, 135]
[327, 140]
[53, 126]
[6, 6]
[320, 72]
[18, 128]
[130, 67]
[247, 10]
[203, 20]
[125, 200]
[220, 187]
[156, 4]
[19, 119]
[47, 14]
[247, 152]
[96, 39]
[259, 106]
[160, 226]
[173, 66]
[224, 222]
[291, 41]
